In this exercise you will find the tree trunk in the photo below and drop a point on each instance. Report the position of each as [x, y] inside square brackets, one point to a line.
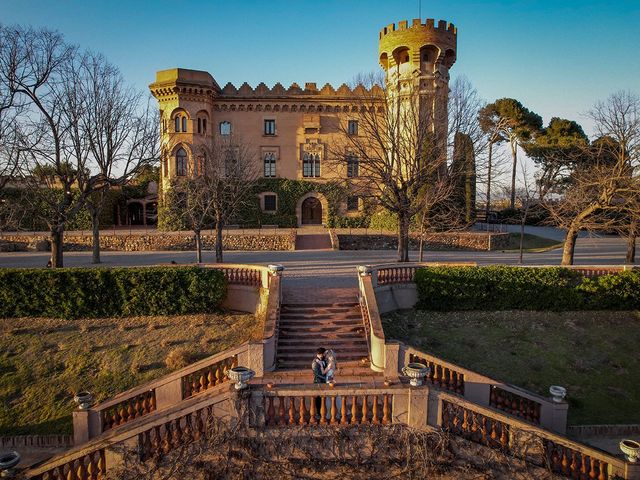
[514, 154]
[95, 224]
[569, 246]
[219, 226]
[198, 246]
[488, 207]
[57, 242]
[403, 237]
[631, 243]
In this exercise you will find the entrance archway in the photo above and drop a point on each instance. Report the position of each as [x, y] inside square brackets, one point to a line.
[311, 211]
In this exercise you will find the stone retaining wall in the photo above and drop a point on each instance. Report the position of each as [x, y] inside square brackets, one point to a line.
[142, 243]
[437, 241]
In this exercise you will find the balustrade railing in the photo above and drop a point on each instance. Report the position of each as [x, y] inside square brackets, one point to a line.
[515, 404]
[161, 439]
[391, 275]
[440, 375]
[339, 410]
[128, 409]
[242, 276]
[572, 463]
[559, 454]
[207, 377]
[475, 426]
[90, 466]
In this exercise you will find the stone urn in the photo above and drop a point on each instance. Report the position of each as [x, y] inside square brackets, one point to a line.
[240, 376]
[557, 393]
[7, 462]
[83, 399]
[631, 449]
[416, 372]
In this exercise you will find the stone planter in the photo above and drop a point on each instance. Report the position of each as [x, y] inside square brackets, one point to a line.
[557, 393]
[416, 372]
[7, 462]
[83, 399]
[240, 376]
[631, 449]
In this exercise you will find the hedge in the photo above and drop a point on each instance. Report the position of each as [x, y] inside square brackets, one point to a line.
[517, 288]
[109, 292]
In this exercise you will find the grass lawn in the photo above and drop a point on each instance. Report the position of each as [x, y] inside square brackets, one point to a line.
[595, 355]
[43, 362]
[532, 243]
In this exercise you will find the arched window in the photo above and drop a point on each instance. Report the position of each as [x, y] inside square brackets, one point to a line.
[178, 123]
[184, 124]
[199, 125]
[181, 162]
[269, 164]
[204, 125]
[311, 165]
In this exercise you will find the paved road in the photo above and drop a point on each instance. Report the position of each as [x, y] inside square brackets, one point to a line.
[333, 268]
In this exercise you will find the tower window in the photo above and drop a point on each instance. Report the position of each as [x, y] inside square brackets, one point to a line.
[311, 165]
[269, 164]
[184, 124]
[270, 203]
[199, 125]
[352, 127]
[181, 162]
[353, 204]
[177, 124]
[270, 127]
[225, 128]
[353, 164]
[204, 125]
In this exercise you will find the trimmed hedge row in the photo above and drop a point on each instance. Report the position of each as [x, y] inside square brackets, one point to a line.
[516, 288]
[109, 292]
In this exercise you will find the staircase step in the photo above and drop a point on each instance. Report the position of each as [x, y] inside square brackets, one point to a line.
[291, 340]
[319, 317]
[319, 305]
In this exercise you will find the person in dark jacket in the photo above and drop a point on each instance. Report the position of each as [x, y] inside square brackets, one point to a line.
[318, 366]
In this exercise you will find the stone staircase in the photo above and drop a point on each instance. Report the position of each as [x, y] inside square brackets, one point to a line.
[306, 326]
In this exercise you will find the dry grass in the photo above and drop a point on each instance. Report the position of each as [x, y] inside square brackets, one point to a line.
[593, 354]
[44, 361]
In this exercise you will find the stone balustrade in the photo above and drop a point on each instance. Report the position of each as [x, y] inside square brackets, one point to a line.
[536, 445]
[159, 394]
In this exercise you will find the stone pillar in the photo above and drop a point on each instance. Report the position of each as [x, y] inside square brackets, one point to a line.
[553, 416]
[144, 213]
[87, 424]
[418, 407]
[169, 394]
[393, 360]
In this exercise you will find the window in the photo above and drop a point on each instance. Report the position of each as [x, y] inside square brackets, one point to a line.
[269, 127]
[269, 164]
[199, 125]
[352, 204]
[230, 163]
[181, 162]
[311, 165]
[225, 128]
[177, 124]
[184, 124]
[352, 166]
[270, 203]
[204, 125]
[353, 127]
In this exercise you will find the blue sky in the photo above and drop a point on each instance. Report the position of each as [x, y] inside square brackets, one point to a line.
[556, 57]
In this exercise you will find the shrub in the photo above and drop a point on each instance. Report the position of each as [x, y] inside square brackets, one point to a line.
[516, 288]
[178, 358]
[109, 292]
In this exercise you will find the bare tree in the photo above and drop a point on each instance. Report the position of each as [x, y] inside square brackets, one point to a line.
[397, 148]
[605, 184]
[218, 184]
[114, 127]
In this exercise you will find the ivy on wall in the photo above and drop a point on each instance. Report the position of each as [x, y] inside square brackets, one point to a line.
[289, 192]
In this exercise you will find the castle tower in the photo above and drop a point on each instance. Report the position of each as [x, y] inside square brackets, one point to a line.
[185, 98]
[416, 59]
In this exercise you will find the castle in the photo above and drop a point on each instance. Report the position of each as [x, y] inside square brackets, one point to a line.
[291, 130]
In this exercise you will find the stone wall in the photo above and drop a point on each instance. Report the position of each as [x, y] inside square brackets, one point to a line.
[437, 241]
[151, 242]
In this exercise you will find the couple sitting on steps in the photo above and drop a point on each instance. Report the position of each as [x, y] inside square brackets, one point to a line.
[324, 366]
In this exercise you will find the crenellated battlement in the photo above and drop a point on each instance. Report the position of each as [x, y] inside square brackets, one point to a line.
[310, 89]
[430, 25]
